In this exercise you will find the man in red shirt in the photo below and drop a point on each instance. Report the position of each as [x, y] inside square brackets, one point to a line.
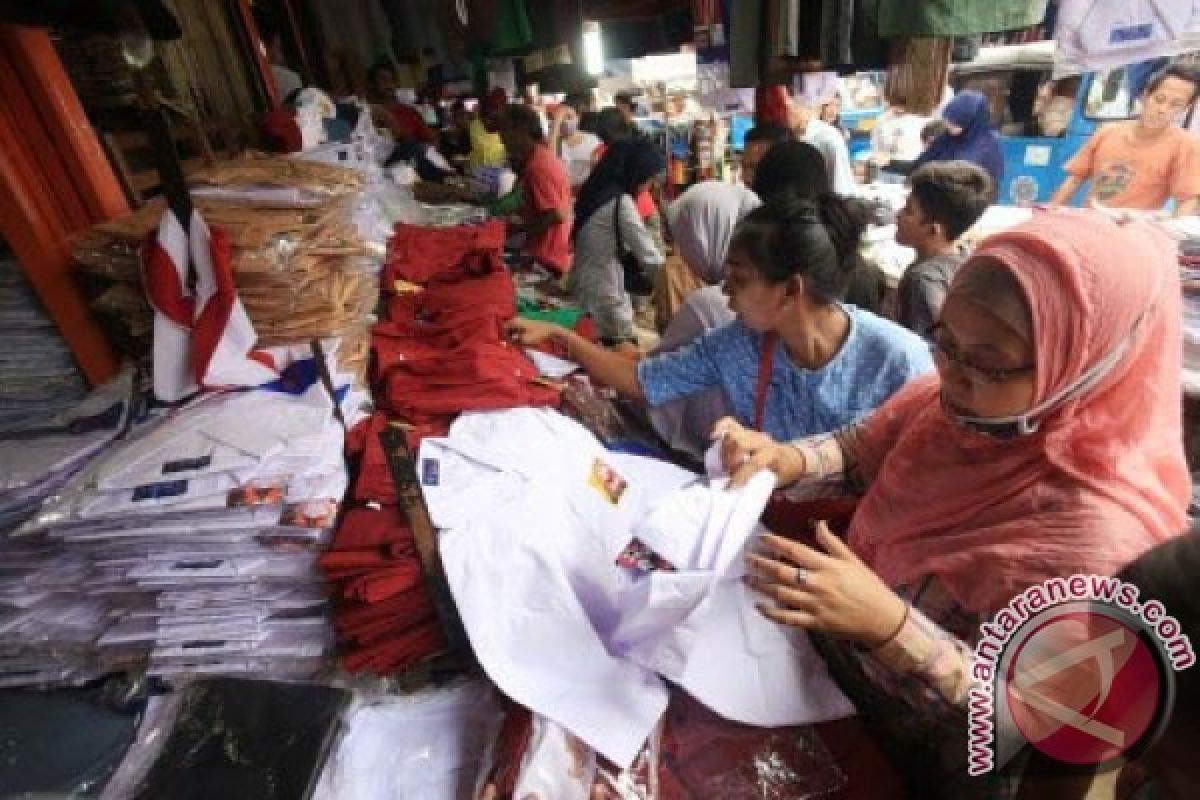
[404, 121]
[546, 218]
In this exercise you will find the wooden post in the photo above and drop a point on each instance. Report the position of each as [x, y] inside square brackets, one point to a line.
[249, 30]
[54, 180]
[43, 76]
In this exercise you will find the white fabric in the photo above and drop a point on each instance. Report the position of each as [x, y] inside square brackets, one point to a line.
[700, 625]
[229, 365]
[832, 147]
[530, 537]
[425, 746]
[1097, 36]
[897, 135]
[550, 366]
[577, 157]
[528, 554]
[555, 765]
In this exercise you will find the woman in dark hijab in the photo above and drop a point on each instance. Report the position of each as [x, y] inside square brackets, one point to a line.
[606, 215]
[969, 136]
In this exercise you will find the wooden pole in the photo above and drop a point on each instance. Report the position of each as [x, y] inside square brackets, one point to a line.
[53, 182]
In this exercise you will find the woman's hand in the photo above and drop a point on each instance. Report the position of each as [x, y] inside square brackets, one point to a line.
[746, 452]
[530, 332]
[828, 590]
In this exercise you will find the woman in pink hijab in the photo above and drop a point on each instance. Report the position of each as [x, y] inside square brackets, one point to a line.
[1049, 444]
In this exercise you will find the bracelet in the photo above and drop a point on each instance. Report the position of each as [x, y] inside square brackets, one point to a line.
[895, 633]
[803, 449]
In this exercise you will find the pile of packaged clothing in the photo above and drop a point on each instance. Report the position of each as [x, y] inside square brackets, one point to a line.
[308, 241]
[197, 537]
[49, 622]
[38, 375]
[441, 351]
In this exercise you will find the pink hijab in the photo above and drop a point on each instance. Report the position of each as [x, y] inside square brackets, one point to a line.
[1104, 478]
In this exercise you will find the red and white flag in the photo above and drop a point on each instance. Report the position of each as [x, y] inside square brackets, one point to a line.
[203, 338]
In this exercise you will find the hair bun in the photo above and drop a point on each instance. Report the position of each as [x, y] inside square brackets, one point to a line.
[796, 209]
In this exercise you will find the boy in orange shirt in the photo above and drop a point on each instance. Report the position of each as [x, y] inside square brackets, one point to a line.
[1144, 162]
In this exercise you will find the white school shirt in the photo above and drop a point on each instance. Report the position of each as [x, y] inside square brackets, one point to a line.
[530, 555]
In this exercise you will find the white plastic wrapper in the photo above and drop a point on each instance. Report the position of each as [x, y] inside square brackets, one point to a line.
[425, 746]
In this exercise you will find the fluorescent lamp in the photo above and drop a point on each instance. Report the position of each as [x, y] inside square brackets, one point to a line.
[593, 48]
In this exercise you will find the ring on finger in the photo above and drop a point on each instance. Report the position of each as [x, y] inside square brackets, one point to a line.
[800, 577]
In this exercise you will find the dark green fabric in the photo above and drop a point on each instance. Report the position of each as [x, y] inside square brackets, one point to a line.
[563, 317]
[513, 31]
[957, 17]
[745, 43]
[511, 203]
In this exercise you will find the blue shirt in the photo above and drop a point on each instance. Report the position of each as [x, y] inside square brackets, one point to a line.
[877, 359]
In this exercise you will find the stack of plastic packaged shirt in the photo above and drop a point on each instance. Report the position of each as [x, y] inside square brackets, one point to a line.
[38, 376]
[48, 623]
[308, 241]
[198, 535]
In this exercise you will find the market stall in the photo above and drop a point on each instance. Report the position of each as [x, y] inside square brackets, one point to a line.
[332, 532]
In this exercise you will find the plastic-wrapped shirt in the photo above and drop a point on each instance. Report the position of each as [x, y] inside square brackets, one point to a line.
[877, 359]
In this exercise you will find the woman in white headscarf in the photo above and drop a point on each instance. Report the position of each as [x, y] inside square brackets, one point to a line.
[702, 222]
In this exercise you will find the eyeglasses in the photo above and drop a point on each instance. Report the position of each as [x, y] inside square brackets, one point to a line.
[944, 348]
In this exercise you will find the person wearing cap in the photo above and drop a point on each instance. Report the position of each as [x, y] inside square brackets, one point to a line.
[546, 217]
[394, 106]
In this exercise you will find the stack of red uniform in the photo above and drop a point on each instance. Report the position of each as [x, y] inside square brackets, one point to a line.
[382, 611]
[441, 351]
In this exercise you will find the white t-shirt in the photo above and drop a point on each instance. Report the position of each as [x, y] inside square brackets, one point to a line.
[832, 146]
[897, 135]
[577, 158]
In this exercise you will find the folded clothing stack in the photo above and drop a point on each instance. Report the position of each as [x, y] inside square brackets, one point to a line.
[38, 376]
[48, 624]
[443, 349]
[305, 255]
[383, 613]
[199, 534]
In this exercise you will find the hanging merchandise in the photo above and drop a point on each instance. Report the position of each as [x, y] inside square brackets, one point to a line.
[850, 40]
[558, 44]
[745, 43]
[1097, 36]
[513, 32]
[957, 17]
[920, 73]
[710, 30]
